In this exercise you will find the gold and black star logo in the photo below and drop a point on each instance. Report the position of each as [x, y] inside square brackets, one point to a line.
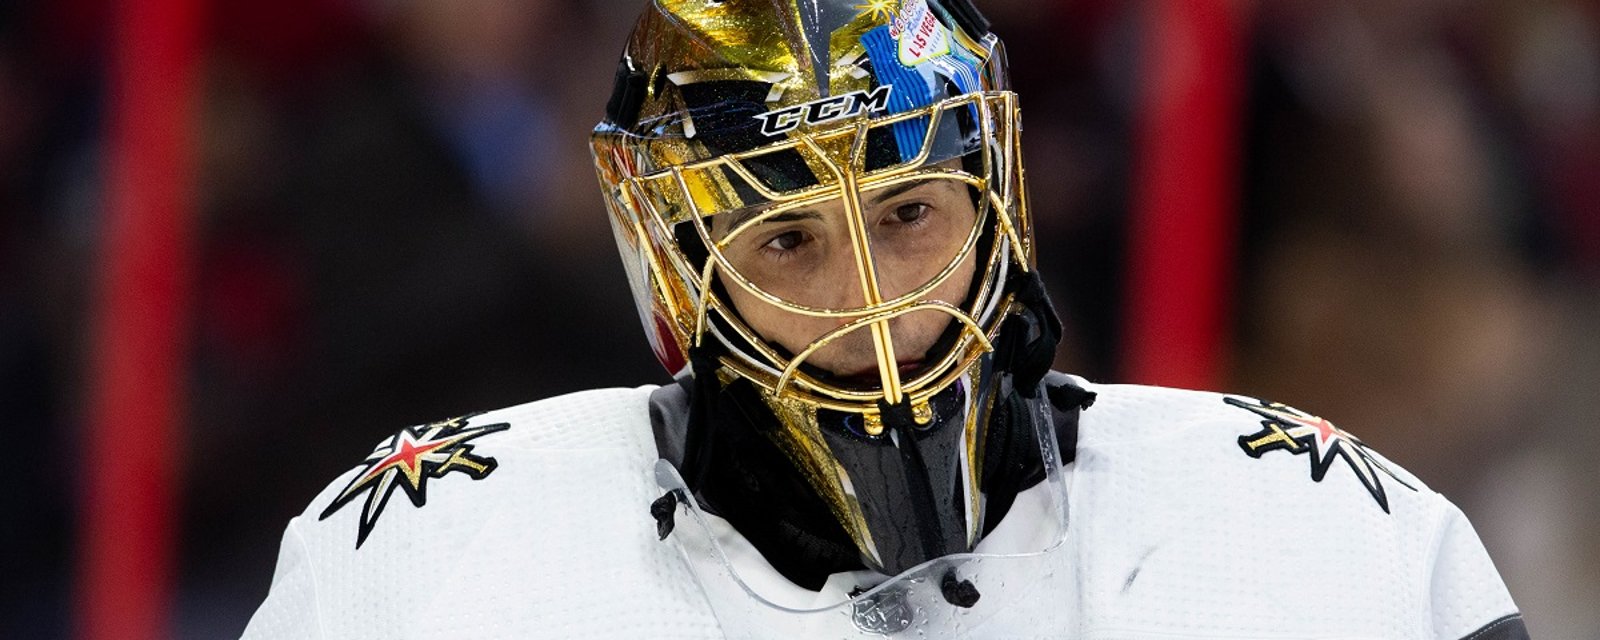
[408, 460]
[1298, 432]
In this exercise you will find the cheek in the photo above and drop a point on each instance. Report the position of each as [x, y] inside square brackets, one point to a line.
[919, 330]
[954, 290]
[791, 330]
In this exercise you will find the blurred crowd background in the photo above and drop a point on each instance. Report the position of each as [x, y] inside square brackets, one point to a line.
[397, 221]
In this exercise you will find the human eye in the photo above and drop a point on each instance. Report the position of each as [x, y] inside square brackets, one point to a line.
[784, 244]
[911, 214]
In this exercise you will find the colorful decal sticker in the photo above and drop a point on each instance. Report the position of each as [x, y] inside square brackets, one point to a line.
[919, 33]
[408, 460]
[916, 55]
[1297, 432]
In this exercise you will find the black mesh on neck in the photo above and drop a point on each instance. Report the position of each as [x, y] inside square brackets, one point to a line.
[738, 473]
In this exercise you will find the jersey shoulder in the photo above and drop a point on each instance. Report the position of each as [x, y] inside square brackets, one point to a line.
[520, 519]
[1172, 488]
[484, 459]
[1272, 445]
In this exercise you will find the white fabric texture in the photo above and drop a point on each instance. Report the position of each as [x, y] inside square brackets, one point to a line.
[1174, 532]
[556, 542]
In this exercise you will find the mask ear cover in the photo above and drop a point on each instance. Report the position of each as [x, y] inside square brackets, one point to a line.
[627, 96]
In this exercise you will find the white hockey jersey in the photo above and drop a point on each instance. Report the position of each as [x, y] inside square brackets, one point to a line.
[1186, 515]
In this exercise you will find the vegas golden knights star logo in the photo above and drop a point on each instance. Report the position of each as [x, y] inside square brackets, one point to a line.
[407, 460]
[1297, 432]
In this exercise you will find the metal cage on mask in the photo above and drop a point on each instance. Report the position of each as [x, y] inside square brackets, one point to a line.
[729, 115]
[969, 139]
[650, 206]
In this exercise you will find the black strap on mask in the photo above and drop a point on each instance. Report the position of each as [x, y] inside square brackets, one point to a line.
[1027, 343]
[1023, 353]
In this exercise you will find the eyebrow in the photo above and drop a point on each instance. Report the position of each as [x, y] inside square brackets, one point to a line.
[738, 218]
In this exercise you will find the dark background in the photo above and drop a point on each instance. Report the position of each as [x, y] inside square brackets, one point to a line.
[398, 222]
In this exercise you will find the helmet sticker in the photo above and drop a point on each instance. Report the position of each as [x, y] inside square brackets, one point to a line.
[824, 110]
[915, 54]
[920, 35]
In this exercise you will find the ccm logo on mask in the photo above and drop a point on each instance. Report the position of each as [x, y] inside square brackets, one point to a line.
[824, 110]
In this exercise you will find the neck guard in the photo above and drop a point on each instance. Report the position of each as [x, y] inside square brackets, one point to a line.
[718, 435]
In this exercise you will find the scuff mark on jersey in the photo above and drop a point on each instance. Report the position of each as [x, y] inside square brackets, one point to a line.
[1137, 567]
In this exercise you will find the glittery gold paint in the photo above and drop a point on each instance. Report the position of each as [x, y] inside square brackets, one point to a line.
[801, 439]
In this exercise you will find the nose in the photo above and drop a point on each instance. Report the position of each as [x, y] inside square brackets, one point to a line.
[842, 278]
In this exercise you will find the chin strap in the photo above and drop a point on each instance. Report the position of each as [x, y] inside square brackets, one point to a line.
[664, 510]
[960, 593]
[699, 444]
[1029, 338]
[898, 420]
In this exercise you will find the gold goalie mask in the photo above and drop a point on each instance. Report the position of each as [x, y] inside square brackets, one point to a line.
[820, 207]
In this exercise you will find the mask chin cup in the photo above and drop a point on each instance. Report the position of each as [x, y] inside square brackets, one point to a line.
[750, 599]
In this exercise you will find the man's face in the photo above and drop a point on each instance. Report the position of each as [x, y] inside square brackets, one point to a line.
[808, 257]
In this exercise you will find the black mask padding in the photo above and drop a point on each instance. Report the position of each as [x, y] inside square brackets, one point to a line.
[881, 149]
[786, 170]
[908, 479]
[724, 112]
[1031, 337]
[724, 115]
[689, 242]
[737, 472]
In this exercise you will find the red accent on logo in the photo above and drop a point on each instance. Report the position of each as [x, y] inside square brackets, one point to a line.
[407, 457]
